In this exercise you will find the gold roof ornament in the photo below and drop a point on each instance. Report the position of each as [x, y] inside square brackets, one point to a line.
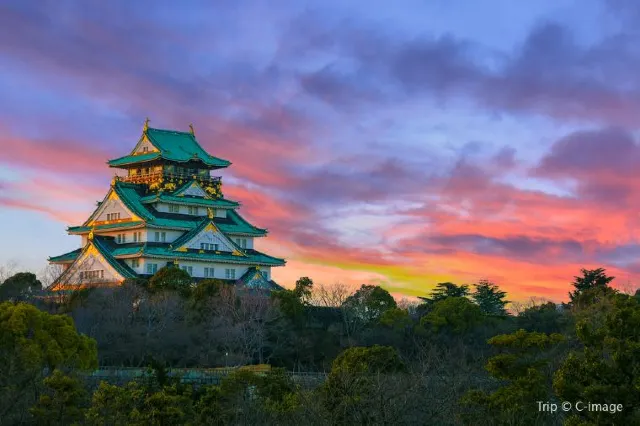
[193, 133]
[91, 233]
[210, 212]
[146, 125]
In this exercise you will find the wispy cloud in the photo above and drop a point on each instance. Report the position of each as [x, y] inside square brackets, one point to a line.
[333, 122]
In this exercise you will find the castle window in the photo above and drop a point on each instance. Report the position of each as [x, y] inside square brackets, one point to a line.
[163, 236]
[135, 263]
[145, 149]
[137, 237]
[193, 210]
[91, 275]
[230, 274]
[174, 208]
[242, 242]
[152, 268]
[208, 272]
[188, 269]
[207, 246]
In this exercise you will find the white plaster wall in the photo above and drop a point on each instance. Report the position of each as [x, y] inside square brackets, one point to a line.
[210, 237]
[112, 206]
[249, 241]
[171, 235]
[145, 144]
[91, 263]
[184, 209]
[219, 268]
[129, 234]
[198, 267]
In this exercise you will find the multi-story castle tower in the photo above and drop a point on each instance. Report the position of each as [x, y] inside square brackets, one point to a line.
[167, 210]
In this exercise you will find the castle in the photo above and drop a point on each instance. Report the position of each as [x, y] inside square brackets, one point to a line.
[166, 211]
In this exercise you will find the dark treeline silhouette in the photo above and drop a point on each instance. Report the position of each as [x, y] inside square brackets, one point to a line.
[457, 357]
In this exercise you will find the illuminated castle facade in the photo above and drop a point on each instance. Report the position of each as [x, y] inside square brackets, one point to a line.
[166, 210]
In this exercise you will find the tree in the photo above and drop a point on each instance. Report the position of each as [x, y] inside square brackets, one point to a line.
[457, 314]
[396, 318]
[134, 404]
[489, 298]
[289, 304]
[171, 278]
[544, 318]
[368, 303]
[590, 279]
[444, 290]
[521, 364]
[303, 289]
[352, 387]
[330, 296]
[606, 369]
[63, 401]
[115, 405]
[19, 287]
[33, 342]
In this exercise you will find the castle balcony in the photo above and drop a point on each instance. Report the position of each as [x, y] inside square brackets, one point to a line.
[177, 178]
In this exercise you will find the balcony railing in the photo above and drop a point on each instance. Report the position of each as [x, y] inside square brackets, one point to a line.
[169, 177]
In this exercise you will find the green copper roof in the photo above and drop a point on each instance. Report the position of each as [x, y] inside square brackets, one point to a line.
[195, 201]
[195, 231]
[173, 146]
[186, 186]
[252, 256]
[111, 251]
[106, 227]
[253, 279]
[104, 247]
[133, 159]
[67, 257]
[132, 196]
[105, 250]
[240, 225]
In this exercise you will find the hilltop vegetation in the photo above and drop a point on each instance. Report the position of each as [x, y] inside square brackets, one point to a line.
[458, 357]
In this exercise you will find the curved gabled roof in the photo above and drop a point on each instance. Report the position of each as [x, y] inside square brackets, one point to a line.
[172, 145]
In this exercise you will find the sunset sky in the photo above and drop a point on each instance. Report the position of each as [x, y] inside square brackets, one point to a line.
[406, 145]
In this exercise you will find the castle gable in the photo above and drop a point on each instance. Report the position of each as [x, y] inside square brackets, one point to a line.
[90, 268]
[112, 209]
[207, 237]
[144, 146]
[193, 189]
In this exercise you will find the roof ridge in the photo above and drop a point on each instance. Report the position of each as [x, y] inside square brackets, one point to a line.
[169, 131]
